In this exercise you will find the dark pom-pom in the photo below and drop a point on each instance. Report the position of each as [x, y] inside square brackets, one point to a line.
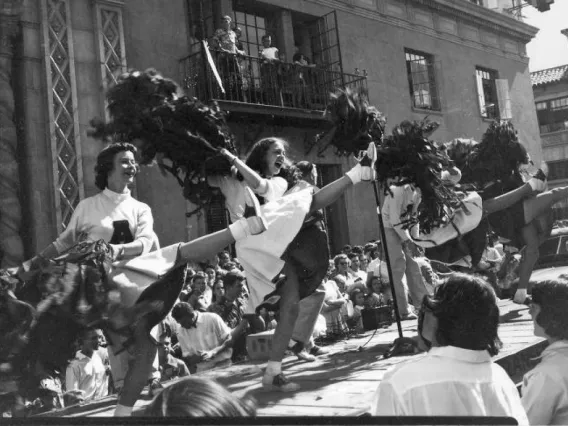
[355, 122]
[409, 157]
[151, 112]
[496, 158]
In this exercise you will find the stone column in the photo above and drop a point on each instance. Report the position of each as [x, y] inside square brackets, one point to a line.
[11, 247]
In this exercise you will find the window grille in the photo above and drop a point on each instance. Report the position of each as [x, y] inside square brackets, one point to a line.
[422, 80]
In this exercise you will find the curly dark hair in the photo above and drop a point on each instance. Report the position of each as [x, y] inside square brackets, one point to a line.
[199, 397]
[182, 310]
[256, 160]
[105, 161]
[552, 297]
[467, 312]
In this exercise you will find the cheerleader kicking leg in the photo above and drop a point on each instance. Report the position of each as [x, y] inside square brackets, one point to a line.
[273, 378]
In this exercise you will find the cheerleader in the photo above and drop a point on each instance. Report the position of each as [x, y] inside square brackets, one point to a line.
[281, 249]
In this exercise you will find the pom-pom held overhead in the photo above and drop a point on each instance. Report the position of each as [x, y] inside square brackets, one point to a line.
[183, 135]
[355, 122]
[151, 112]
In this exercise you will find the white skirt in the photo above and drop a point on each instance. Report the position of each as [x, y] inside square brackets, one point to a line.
[463, 221]
[260, 255]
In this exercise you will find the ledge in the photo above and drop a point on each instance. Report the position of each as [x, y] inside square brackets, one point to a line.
[426, 111]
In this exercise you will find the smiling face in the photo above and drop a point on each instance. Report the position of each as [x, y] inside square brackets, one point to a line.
[275, 158]
[123, 172]
[355, 263]
[376, 284]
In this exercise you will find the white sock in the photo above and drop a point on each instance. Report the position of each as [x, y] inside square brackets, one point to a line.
[239, 229]
[520, 295]
[122, 411]
[291, 343]
[355, 174]
[273, 368]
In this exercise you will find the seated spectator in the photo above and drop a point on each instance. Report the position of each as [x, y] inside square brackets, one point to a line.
[457, 377]
[331, 309]
[170, 366]
[87, 372]
[346, 250]
[342, 264]
[545, 388]
[355, 267]
[379, 293]
[204, 338]
[231, 307]
[218, 290]
[358, 300]
[199, 283]
[211, 273]
[199, 397]
[269, 318]
[223, 258]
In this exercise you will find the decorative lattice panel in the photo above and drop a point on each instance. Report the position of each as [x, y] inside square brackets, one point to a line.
[62, 108]
[110, 36]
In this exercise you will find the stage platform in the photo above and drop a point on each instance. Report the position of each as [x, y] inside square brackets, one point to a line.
[343, 382]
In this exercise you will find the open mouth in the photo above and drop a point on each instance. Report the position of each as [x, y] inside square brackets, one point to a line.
[130, 174]
[278, 164]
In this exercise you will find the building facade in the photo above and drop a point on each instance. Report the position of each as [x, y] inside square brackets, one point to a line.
[550, 87]
[455, 61]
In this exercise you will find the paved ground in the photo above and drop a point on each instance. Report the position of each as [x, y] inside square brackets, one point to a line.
[343, 382]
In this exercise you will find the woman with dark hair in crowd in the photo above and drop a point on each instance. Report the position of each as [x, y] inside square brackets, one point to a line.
[457, 377]
[290, 246]
[545, 388]
[199, 397]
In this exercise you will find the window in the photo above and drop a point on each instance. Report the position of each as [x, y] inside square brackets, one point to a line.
[558, 170]
[487, 92]
[253, 28]
[561, 103]
[540, 106]
[421, 80]
[553, 115]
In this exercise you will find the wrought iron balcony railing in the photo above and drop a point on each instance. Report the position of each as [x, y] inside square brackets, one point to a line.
[251, 80]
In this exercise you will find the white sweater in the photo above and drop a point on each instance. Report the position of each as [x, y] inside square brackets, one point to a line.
[94, 216]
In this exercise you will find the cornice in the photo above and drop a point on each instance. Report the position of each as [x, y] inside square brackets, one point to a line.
[470, 12]
[462, 10]
[407, 24]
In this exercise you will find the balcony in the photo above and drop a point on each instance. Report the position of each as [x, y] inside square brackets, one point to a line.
[254, 86]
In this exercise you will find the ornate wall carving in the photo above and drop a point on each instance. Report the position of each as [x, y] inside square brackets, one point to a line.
[62, 108]
[11, 247]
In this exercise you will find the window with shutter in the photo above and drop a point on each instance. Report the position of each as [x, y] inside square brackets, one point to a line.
[487, 92]
[422, 80]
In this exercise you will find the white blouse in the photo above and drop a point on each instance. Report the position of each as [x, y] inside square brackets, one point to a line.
[94, 219]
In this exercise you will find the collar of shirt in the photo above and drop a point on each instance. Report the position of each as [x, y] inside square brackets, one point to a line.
[115, 196]
[560, 346]
[460, 354]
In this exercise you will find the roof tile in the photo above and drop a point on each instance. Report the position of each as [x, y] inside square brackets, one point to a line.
[550, 75]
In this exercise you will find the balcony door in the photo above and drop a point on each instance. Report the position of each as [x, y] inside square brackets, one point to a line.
[326, 51]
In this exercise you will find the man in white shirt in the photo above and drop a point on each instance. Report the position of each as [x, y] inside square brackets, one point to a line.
[87, 372]
[457, 376]
[204, 338]
[403, 200]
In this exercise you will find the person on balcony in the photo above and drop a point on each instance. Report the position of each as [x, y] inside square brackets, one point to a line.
[302, 78]
[225, 43]
[270, 72]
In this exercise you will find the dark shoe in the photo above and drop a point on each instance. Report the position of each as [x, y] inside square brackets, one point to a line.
[271, 303]
[279, 383]
[303, 355]
[318, 351]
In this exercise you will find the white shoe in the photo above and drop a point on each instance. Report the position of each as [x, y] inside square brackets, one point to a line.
[368, 172]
